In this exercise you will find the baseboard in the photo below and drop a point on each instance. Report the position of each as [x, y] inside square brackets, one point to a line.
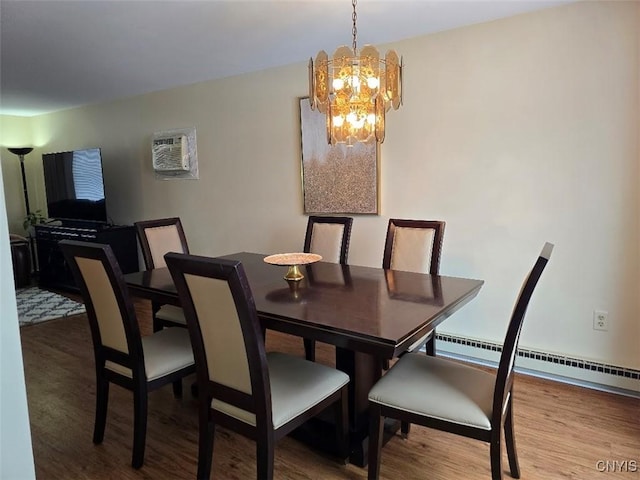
[576, 371]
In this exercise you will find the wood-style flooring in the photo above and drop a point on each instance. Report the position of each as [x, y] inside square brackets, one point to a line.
[562, 431]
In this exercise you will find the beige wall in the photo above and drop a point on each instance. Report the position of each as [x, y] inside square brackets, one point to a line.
[514, 132]
[16, 132]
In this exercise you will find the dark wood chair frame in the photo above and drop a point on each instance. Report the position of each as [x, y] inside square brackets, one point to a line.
[263, 433]
[141, 228]
[134, 360]
[502, 416]
[310, 345]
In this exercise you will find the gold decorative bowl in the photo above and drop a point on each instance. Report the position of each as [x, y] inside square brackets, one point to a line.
[293, 261]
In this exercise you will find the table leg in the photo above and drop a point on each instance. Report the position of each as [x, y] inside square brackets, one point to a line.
[364, 370]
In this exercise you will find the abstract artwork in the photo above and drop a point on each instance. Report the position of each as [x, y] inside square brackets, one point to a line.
[336, 178]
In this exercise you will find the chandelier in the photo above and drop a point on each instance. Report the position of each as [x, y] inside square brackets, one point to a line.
[355, 89]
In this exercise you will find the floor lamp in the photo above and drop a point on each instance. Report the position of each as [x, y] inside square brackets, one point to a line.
[21, 152]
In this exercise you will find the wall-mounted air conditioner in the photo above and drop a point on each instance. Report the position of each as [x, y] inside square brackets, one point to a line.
[171, 154]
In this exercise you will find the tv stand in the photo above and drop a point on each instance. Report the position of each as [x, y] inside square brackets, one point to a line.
[54, 271]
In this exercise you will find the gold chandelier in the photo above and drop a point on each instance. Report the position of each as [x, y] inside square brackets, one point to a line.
[355, 90]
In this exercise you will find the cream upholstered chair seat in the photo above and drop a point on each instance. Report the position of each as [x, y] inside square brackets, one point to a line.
[438, 388]
[418, 344]
[263, 396]
[454, 397]
[296, 385]
[172, 314]
[165, 352]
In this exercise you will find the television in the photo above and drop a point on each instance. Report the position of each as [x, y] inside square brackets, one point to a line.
[75, 186]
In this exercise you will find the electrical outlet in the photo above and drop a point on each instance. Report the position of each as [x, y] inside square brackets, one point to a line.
[600, 320]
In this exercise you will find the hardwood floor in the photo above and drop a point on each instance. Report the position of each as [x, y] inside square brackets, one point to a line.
[562, 431]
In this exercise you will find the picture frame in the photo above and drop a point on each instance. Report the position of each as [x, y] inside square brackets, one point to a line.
[336, 179]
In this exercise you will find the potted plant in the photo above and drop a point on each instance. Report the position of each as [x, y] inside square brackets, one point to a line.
[32, 219]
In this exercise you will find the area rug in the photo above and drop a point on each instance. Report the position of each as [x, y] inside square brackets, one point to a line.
[35, 306]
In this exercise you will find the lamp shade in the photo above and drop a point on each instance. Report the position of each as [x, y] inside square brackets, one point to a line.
[20, 150]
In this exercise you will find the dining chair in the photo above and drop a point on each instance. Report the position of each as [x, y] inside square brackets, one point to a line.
[328, 237]
[158, 237]
[122, 356]
[455, 397]
[260, 395]
[414, 246]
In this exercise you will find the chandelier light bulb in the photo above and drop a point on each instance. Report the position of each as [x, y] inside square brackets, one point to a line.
[338, 84]
[356, 122]
[338, 121]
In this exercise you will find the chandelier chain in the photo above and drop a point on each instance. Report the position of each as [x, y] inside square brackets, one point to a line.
[354, 31]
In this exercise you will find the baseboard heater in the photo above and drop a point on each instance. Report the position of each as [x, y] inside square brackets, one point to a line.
[564, 360]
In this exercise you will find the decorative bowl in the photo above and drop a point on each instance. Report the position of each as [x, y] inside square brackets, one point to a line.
[293, 261]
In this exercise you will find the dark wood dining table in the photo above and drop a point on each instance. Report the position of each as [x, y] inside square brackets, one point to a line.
[369, 314]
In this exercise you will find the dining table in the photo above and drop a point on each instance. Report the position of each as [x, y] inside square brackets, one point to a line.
[369, 314]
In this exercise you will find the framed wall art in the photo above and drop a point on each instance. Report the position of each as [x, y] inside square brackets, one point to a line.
[336, 178]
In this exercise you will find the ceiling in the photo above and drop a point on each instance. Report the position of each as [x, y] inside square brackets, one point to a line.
[56, 55]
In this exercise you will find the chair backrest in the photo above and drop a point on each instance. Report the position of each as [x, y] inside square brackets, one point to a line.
[329, 237]
[112, 318]
[413, 245]
[226, 336]
[504, 378]
[158, 237]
